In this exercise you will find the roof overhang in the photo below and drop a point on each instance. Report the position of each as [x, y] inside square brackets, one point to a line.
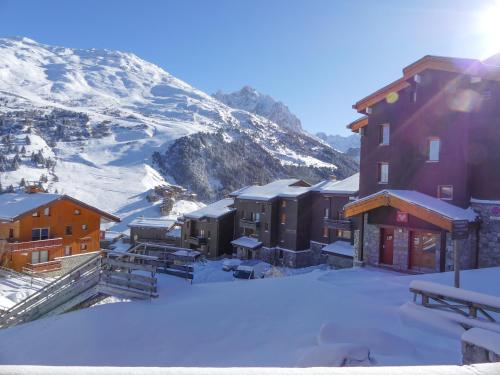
[470, 67]
[358, 124]
[386, 198]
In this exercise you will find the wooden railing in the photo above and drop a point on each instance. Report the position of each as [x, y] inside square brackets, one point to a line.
[49, 244]
[249, 224]
[197, 240]
[340, 224]
[52, 265]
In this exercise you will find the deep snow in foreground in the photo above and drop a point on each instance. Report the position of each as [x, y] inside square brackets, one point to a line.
[306, 319]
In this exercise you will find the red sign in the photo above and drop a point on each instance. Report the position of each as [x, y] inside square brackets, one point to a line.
[402, 217]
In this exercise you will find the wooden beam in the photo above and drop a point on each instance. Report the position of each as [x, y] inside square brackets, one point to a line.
[366, 205]
[421, 213]
[358, 124]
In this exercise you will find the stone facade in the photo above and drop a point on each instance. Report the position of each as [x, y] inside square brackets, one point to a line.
[70, 262]
[489, 232]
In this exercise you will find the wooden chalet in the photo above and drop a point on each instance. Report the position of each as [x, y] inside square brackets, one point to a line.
[38, 229]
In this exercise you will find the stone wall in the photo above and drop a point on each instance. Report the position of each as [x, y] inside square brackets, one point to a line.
[489, 233]
[371, 250]
[338, 261]
[70, 262]
[400, 248]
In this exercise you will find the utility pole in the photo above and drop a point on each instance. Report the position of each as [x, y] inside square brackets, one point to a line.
[456, 262]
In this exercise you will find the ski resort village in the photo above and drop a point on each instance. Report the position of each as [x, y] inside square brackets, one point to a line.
[146, 225]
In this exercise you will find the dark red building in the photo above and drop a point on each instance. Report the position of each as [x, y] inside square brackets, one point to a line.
[430, 167]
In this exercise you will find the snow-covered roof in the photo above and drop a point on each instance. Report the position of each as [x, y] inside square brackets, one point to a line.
[279, 188]
[14, 205]
[248, 242]
[153, 222]
[426, 201]
[340, 247]
[214, 210]
[350, 185]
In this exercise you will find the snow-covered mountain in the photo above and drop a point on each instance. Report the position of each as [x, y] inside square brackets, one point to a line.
[106, 126]
[340, 142]
[249, 99]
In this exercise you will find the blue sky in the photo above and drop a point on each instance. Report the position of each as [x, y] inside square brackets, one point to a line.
[317, 56]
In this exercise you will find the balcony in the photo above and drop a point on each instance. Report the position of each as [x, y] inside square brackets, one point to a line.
[338, 224]
[49, 244]
[249, 224]
[36, 268]
[197, 240]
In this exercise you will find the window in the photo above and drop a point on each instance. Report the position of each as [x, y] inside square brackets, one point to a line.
[11, 232]
[208, 234]
[83, 247]
[262, 208]
[77, 211]
[344, 234]
[433, 148]
[283, 218]
[38, 234]
[35, 214]
[266, 226]
[445, 192]
[283, 204]
[85, 227]
[68, 231]
[384, 132]
[202, 233]
[383, 173]
[325, 231]
[326, 213]
[67, 251]
[46, 211]
[257, 217]
[39, 256]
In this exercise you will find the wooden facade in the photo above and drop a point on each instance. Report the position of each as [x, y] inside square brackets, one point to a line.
[59, 228]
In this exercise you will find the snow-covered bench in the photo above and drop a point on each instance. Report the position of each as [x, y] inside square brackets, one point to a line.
[480, 346]
[464, 302]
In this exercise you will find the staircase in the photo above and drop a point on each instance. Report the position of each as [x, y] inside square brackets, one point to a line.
[103, 275]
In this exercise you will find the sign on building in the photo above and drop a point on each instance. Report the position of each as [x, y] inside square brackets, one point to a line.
[460, 230]
[401, 217]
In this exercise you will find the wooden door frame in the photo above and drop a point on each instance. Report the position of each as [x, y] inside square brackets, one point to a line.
[382, 236]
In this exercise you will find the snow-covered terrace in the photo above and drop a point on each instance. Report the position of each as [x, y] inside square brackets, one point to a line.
[214, 210]
[350, 185]
[152, 222]
[278, 188]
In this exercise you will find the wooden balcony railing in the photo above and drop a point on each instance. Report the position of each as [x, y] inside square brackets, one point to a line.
[249, 224]
[338, 224]
[197, 240]
[52, 265]
[49, 244]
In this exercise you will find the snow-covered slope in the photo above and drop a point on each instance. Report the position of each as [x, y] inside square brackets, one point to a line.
[340, 142]
[253, 101]
[98, 116]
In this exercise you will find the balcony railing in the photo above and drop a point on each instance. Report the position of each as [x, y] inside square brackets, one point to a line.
[338, 224]
[49, 244]
[197, 240]
[249, 224]
[52, 265]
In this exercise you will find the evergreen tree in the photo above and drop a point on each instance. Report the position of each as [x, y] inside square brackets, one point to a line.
[27, 140]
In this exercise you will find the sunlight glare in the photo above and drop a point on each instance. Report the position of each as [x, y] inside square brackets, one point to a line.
[489, 27]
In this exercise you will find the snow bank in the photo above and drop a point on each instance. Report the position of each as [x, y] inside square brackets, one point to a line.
[377, 340]
[478, 369]
[335, 355]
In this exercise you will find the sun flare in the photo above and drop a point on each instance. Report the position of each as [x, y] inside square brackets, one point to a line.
[489, 27]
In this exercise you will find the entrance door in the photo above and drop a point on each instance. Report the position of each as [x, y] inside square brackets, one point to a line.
[423, 250]
[386, 245]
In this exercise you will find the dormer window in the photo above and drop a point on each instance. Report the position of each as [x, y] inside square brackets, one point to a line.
[433, 149]
[384, 134]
